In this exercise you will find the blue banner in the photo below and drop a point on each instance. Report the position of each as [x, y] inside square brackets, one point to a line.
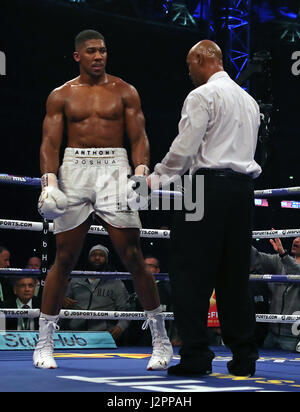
[26, 340]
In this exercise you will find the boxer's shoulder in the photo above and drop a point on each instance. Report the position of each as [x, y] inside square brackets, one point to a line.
[61, 92]
[67, 85]
[123, 86]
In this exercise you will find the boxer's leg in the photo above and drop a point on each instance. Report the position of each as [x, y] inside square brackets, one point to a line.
[68, 248]
[69, 245]
[127, 245]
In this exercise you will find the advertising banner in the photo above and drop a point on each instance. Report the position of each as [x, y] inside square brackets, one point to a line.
[26, 340]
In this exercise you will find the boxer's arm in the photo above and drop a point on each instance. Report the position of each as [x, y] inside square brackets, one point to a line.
[52, 202]
[52, 133]
[135, 129]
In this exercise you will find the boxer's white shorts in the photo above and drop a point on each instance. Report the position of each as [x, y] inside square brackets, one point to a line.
[95, 180]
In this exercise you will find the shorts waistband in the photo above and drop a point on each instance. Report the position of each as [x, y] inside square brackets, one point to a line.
[224, 173]
[95, 152]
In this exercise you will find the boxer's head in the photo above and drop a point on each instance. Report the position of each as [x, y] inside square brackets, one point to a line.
[204, 59]
[90, 52]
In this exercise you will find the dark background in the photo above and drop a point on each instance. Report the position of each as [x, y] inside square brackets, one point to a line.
[37, 38]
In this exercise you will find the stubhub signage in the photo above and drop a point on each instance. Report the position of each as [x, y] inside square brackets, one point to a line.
[16, 340]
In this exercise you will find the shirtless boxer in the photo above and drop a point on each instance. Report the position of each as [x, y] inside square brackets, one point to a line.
[98, 109]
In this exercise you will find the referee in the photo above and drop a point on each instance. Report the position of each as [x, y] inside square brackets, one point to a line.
[217, 138]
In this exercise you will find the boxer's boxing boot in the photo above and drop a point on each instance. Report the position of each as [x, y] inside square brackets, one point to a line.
[162, 349]
[43, 353]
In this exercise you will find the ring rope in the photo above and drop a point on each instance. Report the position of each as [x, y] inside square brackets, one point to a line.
[18, 272]
[20, 180]
[277, 192]
[113, 315]
[36, 182]
[94, 229]
[275, 278]
[146, 233]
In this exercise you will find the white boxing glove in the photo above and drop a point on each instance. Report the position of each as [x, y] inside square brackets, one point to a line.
[52, 201]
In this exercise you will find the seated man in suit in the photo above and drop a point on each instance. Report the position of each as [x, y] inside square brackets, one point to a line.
[34, 262]
[24, 299]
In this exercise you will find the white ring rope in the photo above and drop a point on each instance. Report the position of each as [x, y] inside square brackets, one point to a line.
[36, 182]
[145, 233]
[94, 229]
[113, 315]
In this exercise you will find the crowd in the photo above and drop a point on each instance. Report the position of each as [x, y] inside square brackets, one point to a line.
[95, 293]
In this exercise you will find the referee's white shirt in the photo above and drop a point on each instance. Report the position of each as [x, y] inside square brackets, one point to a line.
[218, 129]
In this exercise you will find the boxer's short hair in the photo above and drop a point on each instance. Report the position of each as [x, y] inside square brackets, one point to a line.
[85, 35]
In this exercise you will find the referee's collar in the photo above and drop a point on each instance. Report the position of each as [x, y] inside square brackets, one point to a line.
[217, 75]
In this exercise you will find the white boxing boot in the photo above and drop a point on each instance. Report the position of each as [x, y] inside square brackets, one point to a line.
[162, 353]
[43, 353]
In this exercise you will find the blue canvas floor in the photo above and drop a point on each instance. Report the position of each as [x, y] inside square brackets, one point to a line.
[124, 370]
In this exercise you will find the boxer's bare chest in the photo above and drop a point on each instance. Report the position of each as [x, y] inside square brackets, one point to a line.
[102, 102]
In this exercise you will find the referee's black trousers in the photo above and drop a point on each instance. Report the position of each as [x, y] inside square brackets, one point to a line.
[214, 253]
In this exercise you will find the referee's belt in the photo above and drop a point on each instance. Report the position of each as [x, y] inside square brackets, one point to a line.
[228, 173]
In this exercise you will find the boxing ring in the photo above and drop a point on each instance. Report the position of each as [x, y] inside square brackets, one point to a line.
[123, 369]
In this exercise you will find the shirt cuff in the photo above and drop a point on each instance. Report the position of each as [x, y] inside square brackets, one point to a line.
[170, 170]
